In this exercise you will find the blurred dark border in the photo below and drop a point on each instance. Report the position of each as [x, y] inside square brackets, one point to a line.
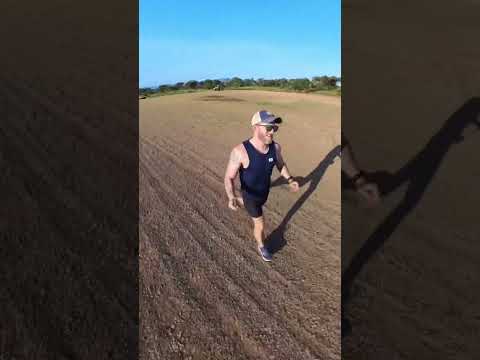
[69, 179]
[411, 112]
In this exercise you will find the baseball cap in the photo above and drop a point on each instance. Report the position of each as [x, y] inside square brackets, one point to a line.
[264, 117]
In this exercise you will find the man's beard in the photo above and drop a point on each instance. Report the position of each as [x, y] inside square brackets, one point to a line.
[267, 140]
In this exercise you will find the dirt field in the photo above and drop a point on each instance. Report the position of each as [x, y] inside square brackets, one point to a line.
[204, 291]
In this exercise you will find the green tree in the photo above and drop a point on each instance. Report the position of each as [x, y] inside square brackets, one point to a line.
[163, 88]
[208, 84]
[249, 82]
[320, 82]
[299, 84]
[269, 83]
[191, 84]
[235, 82]
[282, 82]
[332, 81]
[146, 91]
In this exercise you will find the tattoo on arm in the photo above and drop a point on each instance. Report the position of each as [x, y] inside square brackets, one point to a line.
[233, 163]
[234, 158]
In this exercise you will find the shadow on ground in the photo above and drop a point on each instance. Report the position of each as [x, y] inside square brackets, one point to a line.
[276, 240]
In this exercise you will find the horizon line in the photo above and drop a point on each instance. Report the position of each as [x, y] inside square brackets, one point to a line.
[243, 78]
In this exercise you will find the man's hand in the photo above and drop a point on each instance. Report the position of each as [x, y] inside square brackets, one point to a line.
[294, 186]
[369, 191]
[234, 203]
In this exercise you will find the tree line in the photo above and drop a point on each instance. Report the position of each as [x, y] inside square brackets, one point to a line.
[301, 84]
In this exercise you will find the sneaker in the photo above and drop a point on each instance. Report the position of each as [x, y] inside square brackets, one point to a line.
[265, 253]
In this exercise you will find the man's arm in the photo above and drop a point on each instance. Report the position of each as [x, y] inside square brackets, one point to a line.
[282, 167]
[349, 163]
[350, 166]
[233, 166]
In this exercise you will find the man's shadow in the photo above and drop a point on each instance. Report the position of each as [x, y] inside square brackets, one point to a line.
[418, 172]
[276, 240]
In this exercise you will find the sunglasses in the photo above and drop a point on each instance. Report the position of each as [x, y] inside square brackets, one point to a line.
[271, 127]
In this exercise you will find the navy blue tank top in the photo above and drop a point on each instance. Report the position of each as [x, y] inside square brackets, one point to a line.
[255, 179]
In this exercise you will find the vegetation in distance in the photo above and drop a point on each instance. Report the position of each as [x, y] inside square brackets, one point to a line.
[329, 85]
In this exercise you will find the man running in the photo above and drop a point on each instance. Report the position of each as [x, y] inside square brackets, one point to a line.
[254, 159]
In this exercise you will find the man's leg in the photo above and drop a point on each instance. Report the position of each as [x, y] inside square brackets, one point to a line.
[258, 230]
[254, 209]
[259, 234]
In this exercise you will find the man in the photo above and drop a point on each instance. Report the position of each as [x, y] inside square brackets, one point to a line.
[367, 189]
[254, 160]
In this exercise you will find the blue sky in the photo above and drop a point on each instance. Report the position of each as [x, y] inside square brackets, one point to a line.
[183, 40]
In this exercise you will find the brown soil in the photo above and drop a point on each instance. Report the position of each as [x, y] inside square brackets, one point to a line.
[204, 291]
